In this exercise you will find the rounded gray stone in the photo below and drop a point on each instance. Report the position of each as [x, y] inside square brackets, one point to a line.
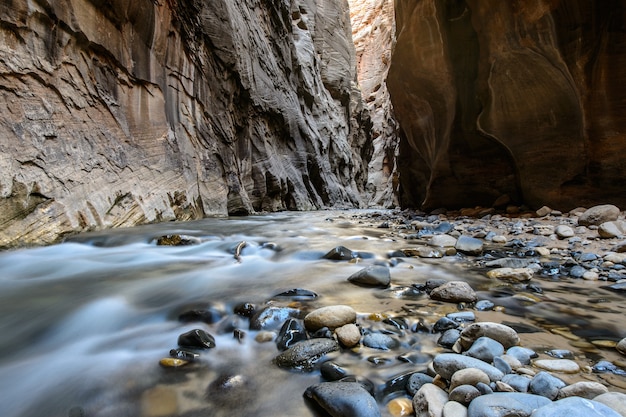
[506, 404]
[575, 407]
[446, 364]
[485, 349]
[372, 276]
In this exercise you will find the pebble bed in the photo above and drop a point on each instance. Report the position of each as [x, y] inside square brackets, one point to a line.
[479, 368]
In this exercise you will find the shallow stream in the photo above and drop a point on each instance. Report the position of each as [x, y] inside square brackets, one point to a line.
[84, 324]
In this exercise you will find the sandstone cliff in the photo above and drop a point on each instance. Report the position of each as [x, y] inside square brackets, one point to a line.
[373, 33]
[523, 98]
[116, 113]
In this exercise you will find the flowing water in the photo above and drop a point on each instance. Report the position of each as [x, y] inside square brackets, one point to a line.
[83, 324]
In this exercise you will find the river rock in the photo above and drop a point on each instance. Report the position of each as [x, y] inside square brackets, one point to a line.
[272, 317]
[449, 338]
[290, 333]
[621, 346]
[454, 292]
[196, 338]
[330, 316]
[332, 371]
[454, 409]
[469, 245]
[614, 400]
[485, 349]
[443, 324]
[464, 394]
[584, 389]
[304, 355]
[443, 241]
[558, 365]
[416, 381]
[506, 404]
[340, 253]
[348, 335]
[609, 230]
[343, 399]
[380, 341]
[372, 276]
[446, 364]
[429, 401]
[400, 407]
[504, 334]
[575, 407]
[519, 383]
[564, 231]
[599, 214]
[546, 385]
[468, 376]
[511, 274]
[522, 354]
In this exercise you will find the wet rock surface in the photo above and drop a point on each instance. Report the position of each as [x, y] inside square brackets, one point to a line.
[512, 348]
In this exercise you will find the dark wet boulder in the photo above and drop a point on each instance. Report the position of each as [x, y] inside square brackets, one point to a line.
[380, 341]
[304, 355]
[372, 276]
[340, 253]
[196, 339]
[290, 333]
[343, 399]
[332, 371]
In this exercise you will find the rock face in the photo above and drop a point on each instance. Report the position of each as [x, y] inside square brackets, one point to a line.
[521, 98]
[119, 113]
[373, 32]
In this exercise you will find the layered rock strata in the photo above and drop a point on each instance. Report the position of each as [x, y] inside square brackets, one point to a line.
[522, 99]
[118, 113]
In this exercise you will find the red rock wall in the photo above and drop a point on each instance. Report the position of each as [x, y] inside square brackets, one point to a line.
[524, 98]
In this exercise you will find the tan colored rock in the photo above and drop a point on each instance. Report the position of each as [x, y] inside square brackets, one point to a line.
[134, 112]
[330, 316]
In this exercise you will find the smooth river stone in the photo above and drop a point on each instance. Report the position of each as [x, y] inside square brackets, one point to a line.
[504, 334]
[429, 401]
[575, 407]
[343, 399]
[558, 365]
[511, 274]
[446, 364]
[331, 317]
[614, 400]
[505, 404]
[303, 355]
[584, 389]
[372, 276]
[454, 292]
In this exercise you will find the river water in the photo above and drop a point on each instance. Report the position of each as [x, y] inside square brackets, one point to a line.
[83, 324]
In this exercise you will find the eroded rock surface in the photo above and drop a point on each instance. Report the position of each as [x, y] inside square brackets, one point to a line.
[119, 113]
[521, 98]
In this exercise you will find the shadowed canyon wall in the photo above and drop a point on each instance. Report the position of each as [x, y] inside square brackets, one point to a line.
[523, 98]
[115, 113]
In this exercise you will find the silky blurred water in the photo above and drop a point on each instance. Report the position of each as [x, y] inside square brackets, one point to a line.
[84, 323]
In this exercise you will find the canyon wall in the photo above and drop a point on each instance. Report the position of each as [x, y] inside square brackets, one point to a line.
[513, 100]
[373, 33]
[116, 113]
